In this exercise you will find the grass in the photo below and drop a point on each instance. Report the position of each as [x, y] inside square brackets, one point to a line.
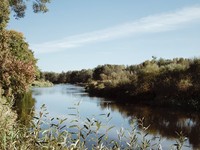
[42, 83]
[75, 133]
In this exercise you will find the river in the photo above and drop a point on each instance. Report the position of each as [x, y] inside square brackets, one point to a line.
[162, 122]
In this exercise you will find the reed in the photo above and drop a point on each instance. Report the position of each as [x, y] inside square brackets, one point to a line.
[76, 133]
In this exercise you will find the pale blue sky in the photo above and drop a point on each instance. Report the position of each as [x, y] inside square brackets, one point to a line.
[78, 34]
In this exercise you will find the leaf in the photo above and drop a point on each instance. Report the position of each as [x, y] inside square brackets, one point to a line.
[72, 114]
[146, 134]
[54, 125]
[108, 115]
[89, 132]
[73, 126]
[63, 120]
[75, 120]
[82, 135]
[71, 107]
[102, 114]
[88, 119]
[36, 118]
[62, 127]
[43, 105]
[110, 128]
[45, 131]
[98, 124]
[86, 127]
[100, 138]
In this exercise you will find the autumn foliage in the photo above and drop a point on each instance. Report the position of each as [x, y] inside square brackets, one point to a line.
[17, 63]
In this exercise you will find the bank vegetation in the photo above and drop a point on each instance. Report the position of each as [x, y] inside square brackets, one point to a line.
[167, 82]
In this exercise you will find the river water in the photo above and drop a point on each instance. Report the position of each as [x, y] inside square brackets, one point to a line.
[162, 122]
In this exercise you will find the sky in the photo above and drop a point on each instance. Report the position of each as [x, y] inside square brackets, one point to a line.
[82, 34]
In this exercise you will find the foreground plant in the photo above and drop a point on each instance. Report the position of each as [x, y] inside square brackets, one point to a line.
[76, 133]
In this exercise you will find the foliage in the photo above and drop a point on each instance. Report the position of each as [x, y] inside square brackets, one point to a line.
[42, 83]
[83, 76]
[78, 134]
[19, 47]
[50, 76]
[173, 82]
[4, 14]
[7, 116]
[17, 64]
[19, 6]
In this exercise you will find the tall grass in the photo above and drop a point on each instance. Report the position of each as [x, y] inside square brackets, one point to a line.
[76, 133]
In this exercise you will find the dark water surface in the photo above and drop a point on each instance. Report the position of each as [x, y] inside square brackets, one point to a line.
[163, 122]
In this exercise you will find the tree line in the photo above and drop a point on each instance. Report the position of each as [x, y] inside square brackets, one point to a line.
[159, 81]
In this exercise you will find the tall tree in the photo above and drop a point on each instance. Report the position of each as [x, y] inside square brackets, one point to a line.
[17, 63]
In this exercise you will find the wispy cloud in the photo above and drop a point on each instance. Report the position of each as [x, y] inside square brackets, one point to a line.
[149, 24]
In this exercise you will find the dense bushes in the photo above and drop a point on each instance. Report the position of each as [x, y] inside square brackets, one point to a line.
[17, 64]
[159, 81]
[4, 14]
[83, 76]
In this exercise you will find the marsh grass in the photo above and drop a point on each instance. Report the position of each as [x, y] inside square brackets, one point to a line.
[76, 133]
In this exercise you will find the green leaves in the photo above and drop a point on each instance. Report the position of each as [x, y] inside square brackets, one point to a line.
[17, 64]
[19, 7]
[4, 14]
[98, 125]
[110, 128]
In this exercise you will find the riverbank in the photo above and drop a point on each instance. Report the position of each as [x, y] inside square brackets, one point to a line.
[42, 83]
[181, 101]
[156, 82]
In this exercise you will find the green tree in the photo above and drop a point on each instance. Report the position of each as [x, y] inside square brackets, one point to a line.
[19, 6]
[17, 63]
[62, 78]
[4, 14]
[15, 74]
[51, 76]
[19, 47]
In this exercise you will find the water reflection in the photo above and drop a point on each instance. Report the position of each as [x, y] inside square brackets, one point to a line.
[25, 107]
[64, 89]
[163, 122]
